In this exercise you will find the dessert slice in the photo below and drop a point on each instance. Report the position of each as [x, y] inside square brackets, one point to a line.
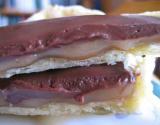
[75, 65]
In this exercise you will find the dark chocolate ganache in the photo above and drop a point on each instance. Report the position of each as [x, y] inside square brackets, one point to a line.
[67, 85]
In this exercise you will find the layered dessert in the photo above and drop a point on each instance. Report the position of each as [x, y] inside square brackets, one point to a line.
[77, 65]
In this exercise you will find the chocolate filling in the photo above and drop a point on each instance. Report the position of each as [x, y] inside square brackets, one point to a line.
[66, 85]
[38, 36]
[157, 68]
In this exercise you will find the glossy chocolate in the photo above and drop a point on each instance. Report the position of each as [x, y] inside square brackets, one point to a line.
[37, 36]
[70, 83]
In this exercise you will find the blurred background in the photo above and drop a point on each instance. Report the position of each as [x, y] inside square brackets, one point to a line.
[13, 11]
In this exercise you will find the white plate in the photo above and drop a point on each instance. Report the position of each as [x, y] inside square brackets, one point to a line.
[136, 119]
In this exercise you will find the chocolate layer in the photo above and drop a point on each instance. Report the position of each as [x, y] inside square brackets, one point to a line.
[40, 35]
[157, 68]
[65, 84]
